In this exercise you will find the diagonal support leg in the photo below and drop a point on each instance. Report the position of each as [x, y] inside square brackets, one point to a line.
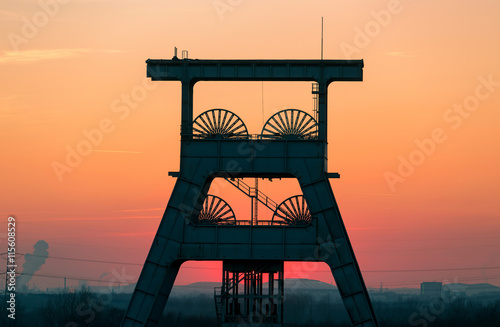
[148, 301]
[338, 252]
[353, 292]
[162, 264]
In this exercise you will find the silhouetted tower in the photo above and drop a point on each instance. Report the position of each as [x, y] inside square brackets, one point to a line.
[200, 226]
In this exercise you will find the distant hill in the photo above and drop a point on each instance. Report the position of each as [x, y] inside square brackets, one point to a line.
[309, 285]
[399, 290]
[206, 288]
[201, 285]
[472, 289]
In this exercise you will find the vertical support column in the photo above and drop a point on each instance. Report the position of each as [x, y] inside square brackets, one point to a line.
[323, 118]
[225, 283]
[246, 300]
[281, 286]
[236, 276]
[271, 295]
[187, 110]
[260, 293]
[322, 111]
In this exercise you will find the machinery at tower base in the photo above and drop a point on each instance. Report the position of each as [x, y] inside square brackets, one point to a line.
[200, 226]
[244, 298]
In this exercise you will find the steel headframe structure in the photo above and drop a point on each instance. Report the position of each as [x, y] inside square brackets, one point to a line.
[198, 226]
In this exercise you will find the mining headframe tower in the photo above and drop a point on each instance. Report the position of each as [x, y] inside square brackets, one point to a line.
[200, 226]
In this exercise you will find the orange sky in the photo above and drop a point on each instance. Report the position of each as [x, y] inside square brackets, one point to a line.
[71, 68]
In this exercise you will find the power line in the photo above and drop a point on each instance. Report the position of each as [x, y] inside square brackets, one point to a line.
[393, 284]
[209, 268]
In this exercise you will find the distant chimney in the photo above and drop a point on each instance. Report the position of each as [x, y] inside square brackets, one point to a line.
[184, 54]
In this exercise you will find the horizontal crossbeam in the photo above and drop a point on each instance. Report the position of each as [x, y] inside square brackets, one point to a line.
[189, 70]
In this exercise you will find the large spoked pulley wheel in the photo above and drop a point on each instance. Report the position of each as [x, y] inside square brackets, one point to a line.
[290, 124]
[219, 124]
[215, 211]
[292, 211]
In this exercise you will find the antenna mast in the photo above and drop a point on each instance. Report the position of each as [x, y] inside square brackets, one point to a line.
[321, 38]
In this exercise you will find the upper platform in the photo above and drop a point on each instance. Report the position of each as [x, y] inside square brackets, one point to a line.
[193, 70]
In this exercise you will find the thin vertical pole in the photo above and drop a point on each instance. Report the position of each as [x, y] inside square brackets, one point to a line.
[321, 38]
[256, 203]
[251, 209]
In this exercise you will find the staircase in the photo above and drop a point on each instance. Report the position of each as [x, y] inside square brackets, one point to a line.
[252, 192]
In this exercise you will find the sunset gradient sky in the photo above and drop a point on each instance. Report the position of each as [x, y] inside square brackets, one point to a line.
[70, 68]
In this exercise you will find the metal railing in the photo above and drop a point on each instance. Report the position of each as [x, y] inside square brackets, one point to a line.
[261, 223]
[255, 137]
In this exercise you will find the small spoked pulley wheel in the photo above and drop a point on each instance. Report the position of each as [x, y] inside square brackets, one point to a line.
[292, 211]
[215, 211]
